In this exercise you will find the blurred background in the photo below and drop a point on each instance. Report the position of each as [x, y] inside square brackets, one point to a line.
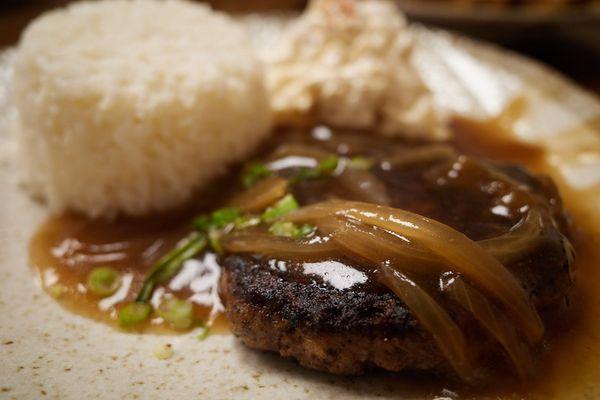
[564, 34]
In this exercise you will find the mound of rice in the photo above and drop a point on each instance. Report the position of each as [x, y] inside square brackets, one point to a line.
[131, 106]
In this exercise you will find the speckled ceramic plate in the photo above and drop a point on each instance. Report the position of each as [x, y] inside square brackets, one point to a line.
[47, 352]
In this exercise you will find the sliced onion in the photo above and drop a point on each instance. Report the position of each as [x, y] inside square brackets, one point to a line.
[248, 241]
[377, 246]
[363, 186]
[518, 241]
[299, 150]
[420, 155]
[261, 195]
[434, 318]
[465, 255]
[492, 319]
[496, 173]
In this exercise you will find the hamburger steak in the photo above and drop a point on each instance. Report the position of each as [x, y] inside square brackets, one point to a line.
[333, 315]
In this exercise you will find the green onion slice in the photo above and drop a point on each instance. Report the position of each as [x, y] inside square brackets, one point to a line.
[289, 229]
[329, 164]
[218, 219]
[104, 281]
[284, 206]
[134, 313]
[179, 314]
[361, 162]
[170, 264]
[253, 173]
[246, 221]
[305, 230]
[305, 174]
[57, 290]
[203, 334]
[223, 216]
[202, 223]
[214, 239]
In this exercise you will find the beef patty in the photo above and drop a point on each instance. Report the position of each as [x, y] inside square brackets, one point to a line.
[331, 315]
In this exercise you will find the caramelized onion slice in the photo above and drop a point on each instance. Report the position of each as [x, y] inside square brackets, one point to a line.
[249, 241]
[420, 155]
[434, 318]
[261, 195]
[363, 186]
[466, 256]
[299, 150]
[519, 240]
[494, 321]
[377, 246]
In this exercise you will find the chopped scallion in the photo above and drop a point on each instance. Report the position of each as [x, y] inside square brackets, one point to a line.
[170, 264]
[218, 219]
[214, 239]
[203, 334]
[253, 173]
[246, 221]
[325, 168]
[329, 164]
[134, 313]
[361, 162]
[104, 281]
[305, 174]
[179, 314]
[223, 216]
[57, 290]
[202, 223]
[284, 206]
[289, 229]
[306, 230]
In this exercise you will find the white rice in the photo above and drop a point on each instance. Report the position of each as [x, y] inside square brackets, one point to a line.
[132, 106]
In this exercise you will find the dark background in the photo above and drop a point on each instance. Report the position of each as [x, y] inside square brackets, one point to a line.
[567, 38]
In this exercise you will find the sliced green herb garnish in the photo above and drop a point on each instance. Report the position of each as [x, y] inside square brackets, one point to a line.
[360, 162]
[214, 239]
[284, 206]
[170, 264]
[103, 281]
[280, 228]
[305, 174]
[306, 230]
[254, 172]
[57, 290]
[223, 216]
[179, 314]
[134, 313]
[289, 229]
[203, 333]
[329, 164]
[218, 219]
[246, 221]
[325, 168]
[202, 223]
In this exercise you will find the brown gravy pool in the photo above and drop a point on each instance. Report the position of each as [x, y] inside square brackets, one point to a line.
[65, 249]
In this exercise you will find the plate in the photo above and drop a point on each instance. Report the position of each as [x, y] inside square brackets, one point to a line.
[47, 352]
